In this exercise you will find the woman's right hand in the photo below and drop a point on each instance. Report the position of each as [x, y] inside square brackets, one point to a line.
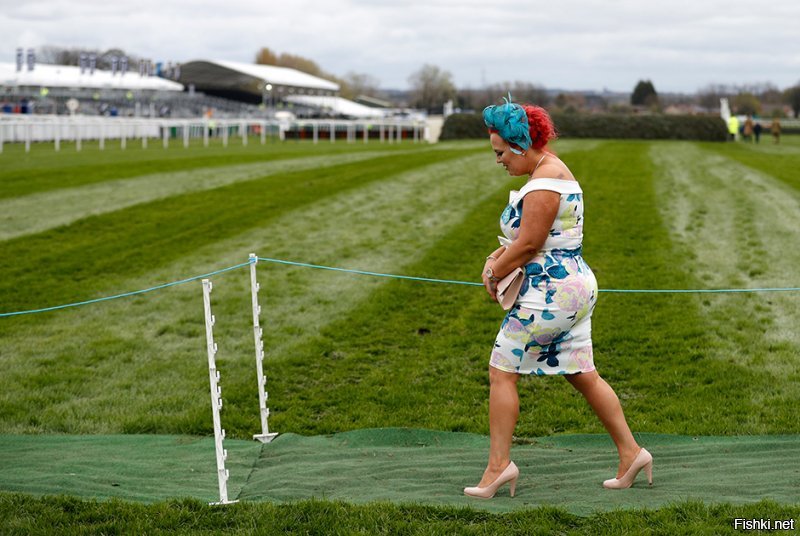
[488, 284]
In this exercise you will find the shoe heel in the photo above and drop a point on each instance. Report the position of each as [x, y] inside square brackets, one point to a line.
[648, 469]
[513, 486]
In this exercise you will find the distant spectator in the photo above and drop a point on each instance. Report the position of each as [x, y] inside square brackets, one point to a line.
[747, 131]
[757, 131]
[8, 108]
[775, 128]
[733, 127]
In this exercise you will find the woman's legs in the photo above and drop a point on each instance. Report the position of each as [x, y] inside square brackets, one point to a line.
[604, 402]
[503, 413]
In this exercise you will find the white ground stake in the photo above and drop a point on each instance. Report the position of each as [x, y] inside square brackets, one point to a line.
[216, 397]
[264, 436]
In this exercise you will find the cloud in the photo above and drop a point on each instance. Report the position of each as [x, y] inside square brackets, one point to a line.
[681, 45]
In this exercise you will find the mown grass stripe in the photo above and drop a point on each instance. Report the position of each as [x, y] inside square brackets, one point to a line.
[779, 161]
[98, 252]
[146, 348]
[22, 513]
[44, 170]
[736, 224]
[39, 212]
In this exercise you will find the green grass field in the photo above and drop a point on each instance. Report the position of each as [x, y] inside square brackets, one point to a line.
[348, 352]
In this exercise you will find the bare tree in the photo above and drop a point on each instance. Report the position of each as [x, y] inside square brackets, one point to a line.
[55, 55]
[431, 87]
[356, 84]
[709, 97]
[266, 57]
[792, 97]
[746, 103]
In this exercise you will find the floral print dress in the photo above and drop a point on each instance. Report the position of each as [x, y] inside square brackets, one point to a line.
[549, 328]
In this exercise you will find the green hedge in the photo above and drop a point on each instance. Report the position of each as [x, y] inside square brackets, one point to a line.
[646, 127]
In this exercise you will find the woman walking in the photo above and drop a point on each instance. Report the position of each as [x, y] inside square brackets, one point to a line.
[548, 330]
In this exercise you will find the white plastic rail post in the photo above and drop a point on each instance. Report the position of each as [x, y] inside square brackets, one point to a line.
[243, 128]
[165, 131]
[264, 436]
[2, 136]
[57, 136]
[216, 396]
[186, 135]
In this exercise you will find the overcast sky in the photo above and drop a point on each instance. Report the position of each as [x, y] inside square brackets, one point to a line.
[571, 44]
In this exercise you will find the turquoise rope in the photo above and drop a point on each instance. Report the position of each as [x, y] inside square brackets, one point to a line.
[279, 261]
[650, 291]
[134, 293]
[378, 274]
[700, 291]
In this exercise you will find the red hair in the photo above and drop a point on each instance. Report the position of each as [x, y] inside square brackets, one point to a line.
[540, 126]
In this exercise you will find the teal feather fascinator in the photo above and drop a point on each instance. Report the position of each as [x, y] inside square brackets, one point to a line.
[511, 123]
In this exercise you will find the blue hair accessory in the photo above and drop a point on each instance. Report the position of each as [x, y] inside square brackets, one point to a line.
[511, 123]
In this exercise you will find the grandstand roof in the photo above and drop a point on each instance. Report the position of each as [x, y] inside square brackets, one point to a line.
[69, 76]
[337, 106]
[236, 75]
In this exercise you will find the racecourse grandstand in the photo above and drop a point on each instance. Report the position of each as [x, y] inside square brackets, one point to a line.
[277, 88]
[47, 89]
[202, 88]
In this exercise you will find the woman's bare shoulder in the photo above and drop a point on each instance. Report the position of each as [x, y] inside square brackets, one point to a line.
[556, 170]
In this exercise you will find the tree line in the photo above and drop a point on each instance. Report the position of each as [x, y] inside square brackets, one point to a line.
[430, 87]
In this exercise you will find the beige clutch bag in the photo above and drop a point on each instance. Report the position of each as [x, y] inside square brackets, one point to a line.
[508, 288]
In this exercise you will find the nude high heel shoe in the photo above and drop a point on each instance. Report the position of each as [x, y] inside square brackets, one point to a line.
[509, 474]
[643, 460]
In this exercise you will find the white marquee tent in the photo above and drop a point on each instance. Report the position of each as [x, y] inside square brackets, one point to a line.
[67, 76]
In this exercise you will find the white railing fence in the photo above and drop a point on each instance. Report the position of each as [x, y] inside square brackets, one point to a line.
[76, 129]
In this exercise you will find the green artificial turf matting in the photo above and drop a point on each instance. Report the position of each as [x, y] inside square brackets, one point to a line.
[402, 466]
